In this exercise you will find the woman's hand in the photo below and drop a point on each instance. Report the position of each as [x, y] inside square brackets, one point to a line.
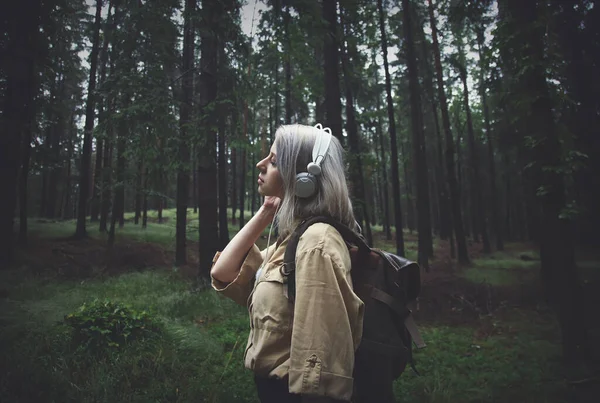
[270, 205]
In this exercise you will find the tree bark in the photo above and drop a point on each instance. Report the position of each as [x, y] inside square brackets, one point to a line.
[410, 214]
[207, 158]
[222, 174]
[287, 63]
[138, 192]
[22, 32]
[24, 174]
[392, 128]
[185, 110]
[385, 184]
[463, 256]
[67, 206]
[496, 226]
[86, 157]
[331, 59]
[477, 194]
[557, 252]
[107, 174]
[356, 166]
[145, 201]
[425, 241]
[119, 193]
[98, 167]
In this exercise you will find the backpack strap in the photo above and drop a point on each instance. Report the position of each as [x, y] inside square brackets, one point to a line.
[289, 258]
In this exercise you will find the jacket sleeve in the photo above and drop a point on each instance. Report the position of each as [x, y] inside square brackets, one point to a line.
[240, 288]
[324, 331]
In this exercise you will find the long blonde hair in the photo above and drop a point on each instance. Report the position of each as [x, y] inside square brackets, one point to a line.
[294, 144]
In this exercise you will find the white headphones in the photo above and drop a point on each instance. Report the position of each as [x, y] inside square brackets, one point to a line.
[306, 182]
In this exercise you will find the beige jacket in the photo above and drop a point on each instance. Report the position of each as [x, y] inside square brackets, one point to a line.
[312, 341]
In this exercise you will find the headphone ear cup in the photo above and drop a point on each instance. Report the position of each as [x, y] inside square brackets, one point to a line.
[306, 184]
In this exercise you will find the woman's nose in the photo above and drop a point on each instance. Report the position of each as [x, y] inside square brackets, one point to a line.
[260, 165]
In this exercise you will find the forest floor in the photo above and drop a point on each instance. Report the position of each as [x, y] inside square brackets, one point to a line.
[490, 337]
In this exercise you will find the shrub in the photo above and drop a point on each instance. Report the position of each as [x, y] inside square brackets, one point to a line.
[104, 325]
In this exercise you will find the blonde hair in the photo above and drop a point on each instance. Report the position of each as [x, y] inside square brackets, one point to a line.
[294, 144]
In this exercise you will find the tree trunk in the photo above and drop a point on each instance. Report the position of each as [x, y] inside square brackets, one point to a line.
[557, 253]
[496, 226]
[67, 206]
[331, 59]
[462, 184]
[94, 216]
[477, 194]
[242, 187]
[50, 115]
[410, 215]
[98, 167]
[194, 180]
[145, 202]
[119, 210]
[207, 158]
[107, 174]
[425, 242]
[287, 64]
[386, 198]
[463, 256]
[234, 187]
[23, 28]
[86, 156]
[57, 131]
[392, 128]
[119, 193]
[222, 175]
[183, 173]
[159, 209]
[356, 166]
[138, 193]
[24, 174]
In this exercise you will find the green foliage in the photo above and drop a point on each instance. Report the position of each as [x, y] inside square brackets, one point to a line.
[511, 267]
[102, 325]
[465, 364]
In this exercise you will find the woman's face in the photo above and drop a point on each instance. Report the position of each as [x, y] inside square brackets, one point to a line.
[270, 182]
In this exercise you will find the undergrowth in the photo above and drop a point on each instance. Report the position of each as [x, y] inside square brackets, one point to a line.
[197, 355]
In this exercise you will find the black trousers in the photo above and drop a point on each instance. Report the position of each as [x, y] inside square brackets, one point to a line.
[272, 390]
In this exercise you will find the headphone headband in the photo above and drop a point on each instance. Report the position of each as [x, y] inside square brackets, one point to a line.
[319, 149]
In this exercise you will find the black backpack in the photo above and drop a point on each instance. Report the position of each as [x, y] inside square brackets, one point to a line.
[386, 283]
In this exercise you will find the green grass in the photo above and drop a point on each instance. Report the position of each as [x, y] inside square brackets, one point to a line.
[199, 357]
[162, 234]
[191, 361]
[457, 367]
[503, 268]
[188, 362]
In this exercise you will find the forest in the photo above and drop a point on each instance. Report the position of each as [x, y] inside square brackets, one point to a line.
[130, 135]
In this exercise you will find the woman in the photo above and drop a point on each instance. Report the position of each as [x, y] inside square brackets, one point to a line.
[301, 351]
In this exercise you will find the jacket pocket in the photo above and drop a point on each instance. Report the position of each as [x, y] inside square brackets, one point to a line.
[271, 309]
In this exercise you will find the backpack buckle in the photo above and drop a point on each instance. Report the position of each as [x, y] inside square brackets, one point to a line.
[285, 270]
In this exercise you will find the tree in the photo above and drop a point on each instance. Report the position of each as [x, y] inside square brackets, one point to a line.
[183, 174]
[333, 104]
[523, 38]
[356, 164]
[418, 138]
[463, 256]
[207, 155]
[22, 33]
[392, 129]
[86, 156]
